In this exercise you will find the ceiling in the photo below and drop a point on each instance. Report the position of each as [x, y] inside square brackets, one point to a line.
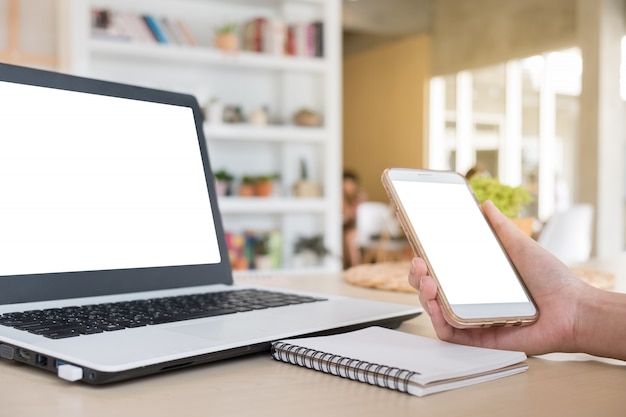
[386, 17]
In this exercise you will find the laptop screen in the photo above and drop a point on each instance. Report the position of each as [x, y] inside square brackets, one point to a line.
[99, 182]
[95, 182]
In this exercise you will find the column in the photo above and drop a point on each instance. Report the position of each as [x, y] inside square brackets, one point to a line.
[436, 141]
[510, 166]
[465, 152]
[600, 179]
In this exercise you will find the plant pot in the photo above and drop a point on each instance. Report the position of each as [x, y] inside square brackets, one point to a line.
[306, 259]
[246, 190]
[307, 119]
[222, 187]
[226, 42]
[215, 112]
[525, 224]
[263, 262]
[304, 188]
[263, 188]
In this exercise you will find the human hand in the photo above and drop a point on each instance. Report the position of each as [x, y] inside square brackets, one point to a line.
[554, 287]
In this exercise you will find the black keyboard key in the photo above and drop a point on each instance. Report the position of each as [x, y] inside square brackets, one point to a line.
[111, 327]
[72, 321]
[47, 328]
[61, 334]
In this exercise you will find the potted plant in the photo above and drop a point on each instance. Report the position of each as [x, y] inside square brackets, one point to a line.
[226, 37]
[304, 187]
[263, 185]
[214, 111]
[246, 188]
[310, 250]
[307, 117]
[223, 181]
[509, 200]
[260, 252]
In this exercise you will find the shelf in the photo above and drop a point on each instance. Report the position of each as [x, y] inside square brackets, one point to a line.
[271, 205]
[203, 55]
[246, 132]
[256, 276]
[250, 80]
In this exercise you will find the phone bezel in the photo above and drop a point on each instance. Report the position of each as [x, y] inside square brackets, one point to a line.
[459, 315]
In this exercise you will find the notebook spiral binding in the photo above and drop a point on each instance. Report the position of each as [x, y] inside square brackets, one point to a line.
[354, 369]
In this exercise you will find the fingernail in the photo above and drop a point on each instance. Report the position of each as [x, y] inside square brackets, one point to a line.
[421, 285]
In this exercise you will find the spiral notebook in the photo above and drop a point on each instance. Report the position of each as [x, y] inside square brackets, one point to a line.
[400, 361]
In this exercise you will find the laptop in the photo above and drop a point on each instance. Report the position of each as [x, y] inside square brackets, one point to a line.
[113, 260]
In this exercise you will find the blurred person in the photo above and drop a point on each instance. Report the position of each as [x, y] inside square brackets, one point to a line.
[353, 195]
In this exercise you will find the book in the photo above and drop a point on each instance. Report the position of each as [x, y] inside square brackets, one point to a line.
[254, 249]
[155, 27]
[186, 32]
[400, 361]
[168, 28]
[319, 39]
[274, 36]
[106, 24]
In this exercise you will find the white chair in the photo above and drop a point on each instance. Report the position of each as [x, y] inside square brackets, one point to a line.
[568, 234]
[378, 233]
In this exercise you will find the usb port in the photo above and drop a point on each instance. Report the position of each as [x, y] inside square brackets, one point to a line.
[41, 360]
[23, 355]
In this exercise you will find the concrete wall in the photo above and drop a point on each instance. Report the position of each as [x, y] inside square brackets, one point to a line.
[474, 33]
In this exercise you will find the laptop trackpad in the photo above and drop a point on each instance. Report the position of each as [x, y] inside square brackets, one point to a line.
[266, 323]
[238, 328]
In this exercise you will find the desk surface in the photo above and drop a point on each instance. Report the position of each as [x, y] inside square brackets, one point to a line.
[564, 385]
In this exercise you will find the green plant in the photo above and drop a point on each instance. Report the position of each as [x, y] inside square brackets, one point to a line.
[247, 179]
[266, 177]
[227, 28]
[510, 200]
[261, 245]
[304, 172]
[314, 244]
[223, 175]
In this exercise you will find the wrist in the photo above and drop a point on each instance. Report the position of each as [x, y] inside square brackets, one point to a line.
[597, 323]
[582, 325]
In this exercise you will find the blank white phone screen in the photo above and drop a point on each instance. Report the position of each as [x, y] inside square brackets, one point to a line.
[464, 254]
[90, 182]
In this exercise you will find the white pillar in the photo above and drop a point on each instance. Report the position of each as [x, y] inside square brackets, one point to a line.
[600, 179]
[465, 153]
[510, 166]
[437, 125]
[547, 140]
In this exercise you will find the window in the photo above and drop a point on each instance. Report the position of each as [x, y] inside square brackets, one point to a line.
[519, 119]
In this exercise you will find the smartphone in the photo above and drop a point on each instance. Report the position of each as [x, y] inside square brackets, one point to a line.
[478, 285]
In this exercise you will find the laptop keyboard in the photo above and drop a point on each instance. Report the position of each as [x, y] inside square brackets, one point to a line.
[59, 323]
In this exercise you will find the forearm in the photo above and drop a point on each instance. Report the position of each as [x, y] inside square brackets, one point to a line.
[600, 328]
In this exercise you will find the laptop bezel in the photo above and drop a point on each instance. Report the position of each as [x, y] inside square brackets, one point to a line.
[40, 287]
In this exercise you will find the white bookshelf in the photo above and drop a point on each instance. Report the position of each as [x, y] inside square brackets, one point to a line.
[284, 84]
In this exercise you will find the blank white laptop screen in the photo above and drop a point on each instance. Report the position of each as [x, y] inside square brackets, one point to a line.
[77, 205]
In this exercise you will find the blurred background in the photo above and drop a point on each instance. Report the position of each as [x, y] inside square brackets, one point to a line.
[531, 90]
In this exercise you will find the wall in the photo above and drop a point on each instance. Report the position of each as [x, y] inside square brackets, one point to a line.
[474, 33]
[384, 120]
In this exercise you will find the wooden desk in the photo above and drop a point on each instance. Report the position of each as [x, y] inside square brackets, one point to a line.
[257, 385]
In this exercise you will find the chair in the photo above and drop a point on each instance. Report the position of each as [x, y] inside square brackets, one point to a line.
[378, 233]
[568, 234]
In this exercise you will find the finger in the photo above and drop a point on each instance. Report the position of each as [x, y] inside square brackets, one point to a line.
[510, 235]
[443, 330]
[417, 271]
[527, 255]
[427, 292]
